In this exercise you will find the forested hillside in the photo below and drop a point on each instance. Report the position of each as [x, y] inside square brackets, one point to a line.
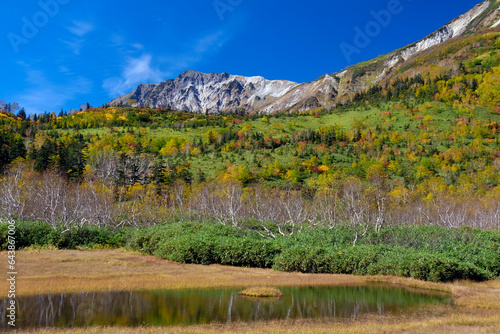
[422, 148]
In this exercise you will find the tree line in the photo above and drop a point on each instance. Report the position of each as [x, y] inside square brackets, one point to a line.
[360, 205]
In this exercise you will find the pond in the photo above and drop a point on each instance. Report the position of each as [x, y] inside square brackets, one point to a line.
[190, 307]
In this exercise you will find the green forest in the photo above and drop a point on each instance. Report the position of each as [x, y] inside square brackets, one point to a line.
[416, 157]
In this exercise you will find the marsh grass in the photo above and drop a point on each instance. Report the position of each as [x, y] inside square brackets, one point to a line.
[261, 292]
[475, 309]
[54, 271]
[460, 324]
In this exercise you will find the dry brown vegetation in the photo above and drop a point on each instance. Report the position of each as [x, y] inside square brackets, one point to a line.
[261, 291]
[444, 325]
[476, 306]
[53, 271]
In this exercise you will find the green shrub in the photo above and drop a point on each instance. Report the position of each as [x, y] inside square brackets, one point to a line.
[246, 252]
[32, 233]
[206, 244]
[29, 234]
[423, 252]
[428, 253]
[349, 260]
[426, 266]
[86, 236]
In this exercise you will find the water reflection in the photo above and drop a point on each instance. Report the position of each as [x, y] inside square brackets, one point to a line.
[189, 307]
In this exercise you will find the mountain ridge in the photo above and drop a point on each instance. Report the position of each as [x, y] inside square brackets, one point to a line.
[221, 92]
[208, 92]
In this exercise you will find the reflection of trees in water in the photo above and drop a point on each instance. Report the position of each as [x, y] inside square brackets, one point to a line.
[63, 310]
[204, 306]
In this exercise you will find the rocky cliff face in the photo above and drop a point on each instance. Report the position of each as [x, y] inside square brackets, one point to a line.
[453, 29]
[221, 92]
[307, 96]
[213, 92]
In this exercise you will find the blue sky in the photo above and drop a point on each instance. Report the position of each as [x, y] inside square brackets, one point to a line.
[59, 54]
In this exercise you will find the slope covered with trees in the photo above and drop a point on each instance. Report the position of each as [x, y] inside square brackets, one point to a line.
[419, 149]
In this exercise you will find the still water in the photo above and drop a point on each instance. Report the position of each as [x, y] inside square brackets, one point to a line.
[189, 307]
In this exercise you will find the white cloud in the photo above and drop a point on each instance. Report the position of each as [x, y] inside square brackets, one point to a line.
[138, 46]
[210, 42]
[137, 71]
[201, 48]
[141, 71]
[74, 45]
[80, 28]
[43, 95]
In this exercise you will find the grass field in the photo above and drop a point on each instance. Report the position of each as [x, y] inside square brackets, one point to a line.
[476, 306]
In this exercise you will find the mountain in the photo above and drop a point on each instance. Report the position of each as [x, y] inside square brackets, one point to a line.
[403, 62]
[222, 92]
[341, 87]
[212, 92]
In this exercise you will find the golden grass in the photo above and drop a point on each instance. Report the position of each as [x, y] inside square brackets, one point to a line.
[448, 325]
[476, 306]
[261, 291]
[54, 271]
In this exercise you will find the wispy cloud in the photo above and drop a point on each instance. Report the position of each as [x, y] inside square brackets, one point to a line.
[204, 47]
[80, 28]
[140, 70]
[44, 95]
[75, 45]
[138, 46]
[210, 42]
[137, 71]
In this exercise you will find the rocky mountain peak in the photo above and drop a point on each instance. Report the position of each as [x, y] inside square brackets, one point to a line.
[209, 92]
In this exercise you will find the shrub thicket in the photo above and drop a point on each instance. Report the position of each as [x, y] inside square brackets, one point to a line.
[430, 253]
[41, 234]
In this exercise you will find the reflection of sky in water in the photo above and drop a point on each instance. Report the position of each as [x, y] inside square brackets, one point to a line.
[188, 307]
